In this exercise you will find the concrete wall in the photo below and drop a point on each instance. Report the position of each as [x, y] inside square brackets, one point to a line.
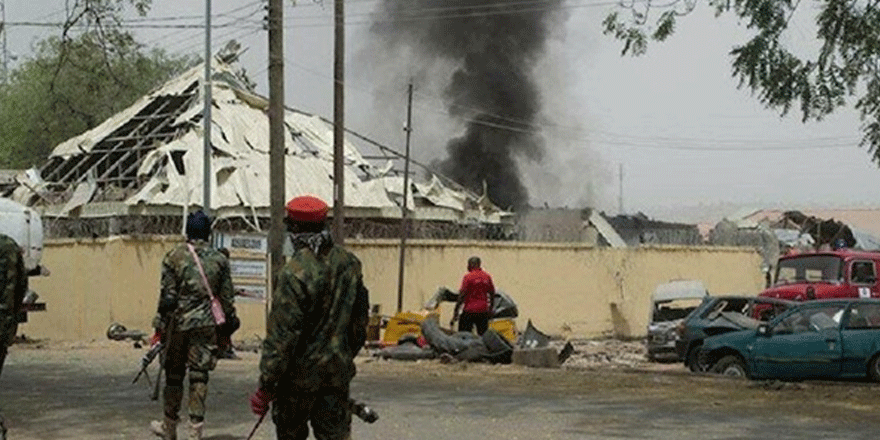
[570, 290]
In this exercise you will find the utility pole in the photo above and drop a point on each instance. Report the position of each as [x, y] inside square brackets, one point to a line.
[620, 190]
[206, 117]
[339, 123]
[276, 136]
[3, 34]
[404, 216]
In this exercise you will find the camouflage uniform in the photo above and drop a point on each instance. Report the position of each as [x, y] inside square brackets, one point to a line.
[187, 325]
[13, 285]
[316, 327]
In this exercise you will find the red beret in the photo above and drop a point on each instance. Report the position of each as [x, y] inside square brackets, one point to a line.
[307, 209]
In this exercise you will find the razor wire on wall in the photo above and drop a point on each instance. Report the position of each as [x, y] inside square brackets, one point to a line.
[136, 225]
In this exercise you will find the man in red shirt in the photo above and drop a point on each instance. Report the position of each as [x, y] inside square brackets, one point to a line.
[475, 299]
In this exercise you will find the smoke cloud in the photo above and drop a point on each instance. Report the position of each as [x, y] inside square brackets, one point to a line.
[494, 46]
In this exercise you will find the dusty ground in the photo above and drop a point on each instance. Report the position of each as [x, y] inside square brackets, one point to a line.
[605, 391]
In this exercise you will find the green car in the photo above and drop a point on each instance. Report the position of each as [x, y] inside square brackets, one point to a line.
[821, 339]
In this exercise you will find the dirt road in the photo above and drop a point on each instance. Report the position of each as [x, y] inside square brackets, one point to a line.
[85, 392]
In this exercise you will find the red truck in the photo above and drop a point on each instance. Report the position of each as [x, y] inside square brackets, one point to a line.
[840, 273]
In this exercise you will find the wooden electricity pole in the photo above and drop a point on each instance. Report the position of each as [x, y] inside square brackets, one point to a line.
[339, 123]
[276, 136]
[404, 214]
[206, 117]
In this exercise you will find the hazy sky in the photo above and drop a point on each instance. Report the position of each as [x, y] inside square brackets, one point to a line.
[673, 120]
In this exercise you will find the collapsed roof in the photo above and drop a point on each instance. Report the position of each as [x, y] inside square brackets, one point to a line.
[148, 160]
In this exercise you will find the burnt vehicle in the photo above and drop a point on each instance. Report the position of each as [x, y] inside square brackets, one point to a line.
[723, 314]
[842, 273]
[821, 339]
[670, 303]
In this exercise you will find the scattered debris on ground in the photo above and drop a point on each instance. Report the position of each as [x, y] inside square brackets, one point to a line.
[614, 353]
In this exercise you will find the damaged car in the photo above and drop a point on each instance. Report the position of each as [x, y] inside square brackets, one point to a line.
[670, 303]
[821, 339]
[723, 314]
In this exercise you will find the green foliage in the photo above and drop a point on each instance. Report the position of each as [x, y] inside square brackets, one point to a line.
[102, 13]
[70, 86]
[634, 40]
[847, 65]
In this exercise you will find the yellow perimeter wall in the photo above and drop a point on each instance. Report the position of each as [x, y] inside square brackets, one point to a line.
[566, 290]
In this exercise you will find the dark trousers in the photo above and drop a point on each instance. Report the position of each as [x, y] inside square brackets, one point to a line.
[195, 351]
[326, 410]
[467, 321]
[8, 327]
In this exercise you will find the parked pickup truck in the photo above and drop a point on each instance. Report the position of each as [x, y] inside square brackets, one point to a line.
[827, 274]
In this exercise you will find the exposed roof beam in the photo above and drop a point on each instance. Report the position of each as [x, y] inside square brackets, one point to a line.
[152, 135]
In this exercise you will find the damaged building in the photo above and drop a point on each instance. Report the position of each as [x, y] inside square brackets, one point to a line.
[141, 170]
[638, 229]
[564, 225]
[776, 232]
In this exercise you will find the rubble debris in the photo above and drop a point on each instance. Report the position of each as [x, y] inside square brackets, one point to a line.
[543, 357]
[533, 338]
[533, 350]
[406, 351]
[410, 322]
[565, 353]
[450, 346]
[603, 353]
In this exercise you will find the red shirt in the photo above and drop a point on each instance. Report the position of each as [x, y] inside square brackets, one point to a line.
[476, 288]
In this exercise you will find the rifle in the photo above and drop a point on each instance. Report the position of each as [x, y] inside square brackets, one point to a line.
[146, 360]
[155, 395]
[169, 327]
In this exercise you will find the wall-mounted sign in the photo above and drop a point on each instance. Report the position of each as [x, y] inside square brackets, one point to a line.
[248, 264]
[244, 242]
[247, 268]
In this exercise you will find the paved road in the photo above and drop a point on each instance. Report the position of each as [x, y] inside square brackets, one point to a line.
[87, 394]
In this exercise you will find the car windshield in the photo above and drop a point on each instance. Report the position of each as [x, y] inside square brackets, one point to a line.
[811, 319]
[674, 310]
[814, 268]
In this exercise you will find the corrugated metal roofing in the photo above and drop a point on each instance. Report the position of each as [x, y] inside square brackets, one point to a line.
[168, 171]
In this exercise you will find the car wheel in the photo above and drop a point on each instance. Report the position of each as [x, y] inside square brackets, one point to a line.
[874, 368]
[693, 360]
[731, 366]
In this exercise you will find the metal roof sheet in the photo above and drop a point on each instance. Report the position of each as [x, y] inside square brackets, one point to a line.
[169, 171]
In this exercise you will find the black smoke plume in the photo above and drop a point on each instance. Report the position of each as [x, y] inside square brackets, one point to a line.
[495, 45]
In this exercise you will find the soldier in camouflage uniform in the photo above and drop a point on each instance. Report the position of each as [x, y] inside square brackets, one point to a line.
[13, 286]
[316, 327]
[187, 327]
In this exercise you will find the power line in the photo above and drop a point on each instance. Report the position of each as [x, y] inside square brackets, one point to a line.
[150, 23]
[422, 11]
[501, 122]
[233, 34]
[178, 41]
[601, 137]
[132, 26]
[502, 9]
[194, 17]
